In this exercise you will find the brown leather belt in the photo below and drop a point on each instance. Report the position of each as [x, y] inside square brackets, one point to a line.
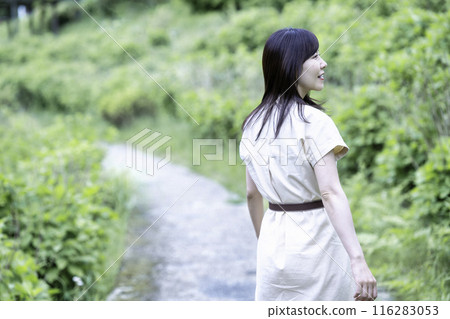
[296, 207]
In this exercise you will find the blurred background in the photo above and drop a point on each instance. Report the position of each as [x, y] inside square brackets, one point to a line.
[66, 87]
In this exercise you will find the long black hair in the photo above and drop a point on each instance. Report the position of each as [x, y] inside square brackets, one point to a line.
[284, 54]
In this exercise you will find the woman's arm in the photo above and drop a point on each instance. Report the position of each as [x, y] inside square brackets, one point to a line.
[254, 203]
[338, 209]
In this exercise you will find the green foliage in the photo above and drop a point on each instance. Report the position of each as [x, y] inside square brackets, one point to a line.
[59, 219]
[249, 28]
[114, 7]
[386, 8]
[52, 90]
[366, 121]
[422, 257]
[45, 13]
[408, 258]
[208, 5]
[19, 279]
[158, 37]
[125, 96]
[432, 180]
[407, 26]
[66, 84]
[404, 152]
[217, 117]
[432, 5]
[121, 106]
[211, 5]
[421, 115]
[66, 12]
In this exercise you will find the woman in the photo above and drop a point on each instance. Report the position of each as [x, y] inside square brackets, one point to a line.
[307, 245]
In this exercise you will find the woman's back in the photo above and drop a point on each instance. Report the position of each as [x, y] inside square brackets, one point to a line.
[282, 167]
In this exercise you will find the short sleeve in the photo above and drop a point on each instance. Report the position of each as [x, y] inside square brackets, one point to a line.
[322, 136]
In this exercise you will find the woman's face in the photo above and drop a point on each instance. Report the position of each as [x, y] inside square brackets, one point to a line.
[312, 77]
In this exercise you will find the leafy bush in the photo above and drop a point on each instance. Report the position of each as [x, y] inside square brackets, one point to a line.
[215, 115]
[432, 190]
[158, 37]
[407, 26]
[119, 107]
[365, 123]
[60, 220]
[19, 279]
[208, 5]
[386, 8]
[249, 28]
[405, 150]
[44, 13]
[432, 5]
[211, 5]
[66, 12]
[422, 115]
[124, 96]
[51, 90]
[406, 257]
[112, 7]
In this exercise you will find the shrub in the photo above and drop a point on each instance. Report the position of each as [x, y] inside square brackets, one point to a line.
[60, 219]
[405, 150]
[432, 186]
[119, 107]
[158, 37]
[407, 257]
[211, 5]
[432, 5]
[63, 87]
[19, 279]
[422, 112]
[66, 12]
[125, 96]
[218, 116]
[365, 123]
[208, 5]
[249, 28]
[112, 7]
[407, 26]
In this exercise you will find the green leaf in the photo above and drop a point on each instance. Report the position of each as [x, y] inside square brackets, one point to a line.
[52, 275]
[61, 263]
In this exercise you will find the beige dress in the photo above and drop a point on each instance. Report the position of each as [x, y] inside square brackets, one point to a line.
[299, 254]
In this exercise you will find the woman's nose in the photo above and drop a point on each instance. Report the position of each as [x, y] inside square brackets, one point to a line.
[323, 64]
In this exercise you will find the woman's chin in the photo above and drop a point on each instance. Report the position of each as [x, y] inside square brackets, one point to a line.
[319, 88]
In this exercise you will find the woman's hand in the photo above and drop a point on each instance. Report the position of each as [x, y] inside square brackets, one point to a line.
[366, 289]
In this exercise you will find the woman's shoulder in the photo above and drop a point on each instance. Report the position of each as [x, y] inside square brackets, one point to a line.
[312, 114]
